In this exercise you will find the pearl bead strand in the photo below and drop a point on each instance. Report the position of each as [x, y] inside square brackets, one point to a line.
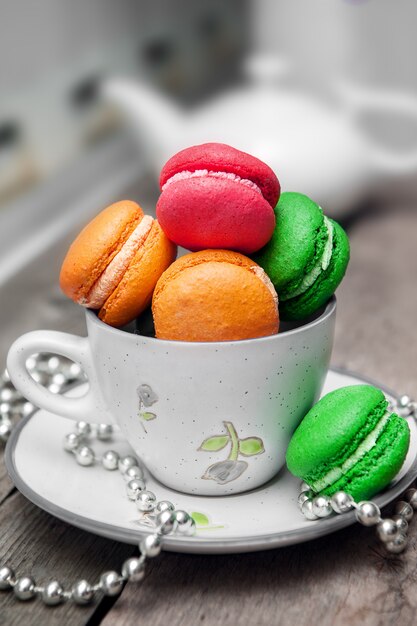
[59, 374]
[168, 521]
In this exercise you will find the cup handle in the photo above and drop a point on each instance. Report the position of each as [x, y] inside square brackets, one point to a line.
[359, 101]
[90, 407]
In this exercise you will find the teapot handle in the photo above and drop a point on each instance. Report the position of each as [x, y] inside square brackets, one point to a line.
[361, 102]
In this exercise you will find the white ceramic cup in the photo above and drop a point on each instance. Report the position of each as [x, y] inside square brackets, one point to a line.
[205, 418]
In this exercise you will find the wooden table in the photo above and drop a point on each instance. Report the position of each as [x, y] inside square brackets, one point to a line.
[345, 578]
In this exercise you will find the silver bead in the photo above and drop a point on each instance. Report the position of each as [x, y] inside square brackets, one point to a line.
[111, 583]
[5, 430]
[404, 406]
[24, 588]
[53, 593]
[341, 502]
[82, 592]
[304, 486]
[5, 410]
[8, 394]
[125, 462]
[30, 363]
[398, 544]
[401, 523]
[54, 388]
[321, 506]
[166, 522]
[104, 432]
[411, 495]
[151, 545]
[133, 569]
[164, 505]
[368, 513]
[404, 401]
[303, 497]
[387, 530]
[59, 380]
[74, 371]
[5, 377]
[405, 509]
[133, 472]
[83, 429]
[53, 364]
[27, 408]
[71, 442]
[133, 487]
[146, 501]
[84, 456]
[185, 523]
[110, 460]
[307, 510]
[6, 577]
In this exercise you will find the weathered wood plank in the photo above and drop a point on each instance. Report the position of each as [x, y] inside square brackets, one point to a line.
[376, 330]
[6, 485]
[35, 543]
[344, 579]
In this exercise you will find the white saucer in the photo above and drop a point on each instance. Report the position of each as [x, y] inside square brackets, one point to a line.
[94, 499]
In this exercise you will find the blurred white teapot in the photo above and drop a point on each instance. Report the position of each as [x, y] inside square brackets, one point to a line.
[315, 147]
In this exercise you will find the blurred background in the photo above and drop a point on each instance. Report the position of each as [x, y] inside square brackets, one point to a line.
[97, 94]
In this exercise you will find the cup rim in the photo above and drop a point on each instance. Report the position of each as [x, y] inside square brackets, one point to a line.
[329, 310]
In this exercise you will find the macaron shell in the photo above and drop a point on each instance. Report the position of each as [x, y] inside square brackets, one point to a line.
[213, 295]
[325, 285]
[206, 212]
[134, 292]
[377, 468]
[331, 426]
[220, 157]
[95, 247]
[292, 246]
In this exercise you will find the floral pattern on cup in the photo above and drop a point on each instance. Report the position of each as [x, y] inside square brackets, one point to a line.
[147, 397]
[230, 469]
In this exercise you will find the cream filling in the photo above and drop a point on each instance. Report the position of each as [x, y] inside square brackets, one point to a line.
[185, 175]
[364, 447]
[319, 267]
[112, 275]
[260, 273]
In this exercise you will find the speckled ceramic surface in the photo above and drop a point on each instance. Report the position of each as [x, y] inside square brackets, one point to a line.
[94, 499]
[206, 418]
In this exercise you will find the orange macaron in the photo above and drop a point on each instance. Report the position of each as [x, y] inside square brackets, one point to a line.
[214, 295]
[115, 262]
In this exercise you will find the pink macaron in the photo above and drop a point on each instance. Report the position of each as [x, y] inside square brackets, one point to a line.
[215, 196]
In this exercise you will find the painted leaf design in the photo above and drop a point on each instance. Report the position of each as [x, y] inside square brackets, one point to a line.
[214, 444]
[200, 519]
[147, 416]
[251, 446]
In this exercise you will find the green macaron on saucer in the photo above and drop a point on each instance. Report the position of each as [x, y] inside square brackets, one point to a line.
[349, 441]
[306, 257]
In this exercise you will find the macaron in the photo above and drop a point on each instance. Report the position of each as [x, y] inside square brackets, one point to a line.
[214, 295]
[215, 196]
[306, 257]
[115, 262]
[349, 441]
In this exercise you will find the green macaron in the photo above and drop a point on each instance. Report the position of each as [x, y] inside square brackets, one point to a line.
[306, 257]
[349, 441]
